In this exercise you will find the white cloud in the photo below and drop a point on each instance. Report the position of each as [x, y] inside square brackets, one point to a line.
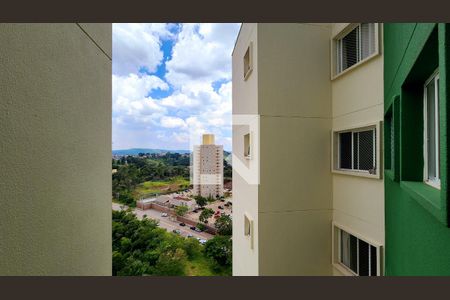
[138, 45]
[201, 56]
[172, 122]
[134, 86]
[202, 52]
[131, 105]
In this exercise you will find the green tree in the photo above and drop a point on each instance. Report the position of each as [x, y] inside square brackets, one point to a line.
[224, 225]
[181, 210]
[201, 201]
[219, 248]
[205, 215]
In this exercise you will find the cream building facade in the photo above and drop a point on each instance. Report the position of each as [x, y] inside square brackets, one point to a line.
[208, 168]
[297, 97]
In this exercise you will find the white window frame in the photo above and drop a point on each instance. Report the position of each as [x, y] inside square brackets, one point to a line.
[248, 228]
[436, 183]
[336, 250]
[250, 61]
[337, 39]
[248, 143]
[335, 151]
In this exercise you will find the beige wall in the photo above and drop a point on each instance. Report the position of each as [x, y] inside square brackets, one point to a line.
[295, 190]
[357, 99]
[245, 194]
[292, 204]
[298, 197]
[245, 93]
[55, 180]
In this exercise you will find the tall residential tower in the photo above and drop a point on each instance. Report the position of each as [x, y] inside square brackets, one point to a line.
[208, 168]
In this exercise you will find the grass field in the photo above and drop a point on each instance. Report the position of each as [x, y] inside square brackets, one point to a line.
[201, 266]
[162, 187]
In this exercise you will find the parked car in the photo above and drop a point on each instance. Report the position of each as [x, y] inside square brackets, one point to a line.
[189, 235]
[222, 200]
[220, 207]
[163, 215]
[176, 231]
[195, 211]
[182, 224]
[192, 227]
[202, 241]
[198, 229]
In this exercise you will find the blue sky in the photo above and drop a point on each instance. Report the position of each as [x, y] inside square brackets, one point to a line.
[171, 83]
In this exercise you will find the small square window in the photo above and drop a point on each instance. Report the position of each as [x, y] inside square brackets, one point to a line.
[248, 229]
[431, 131]
[247, 146]
[248, 61]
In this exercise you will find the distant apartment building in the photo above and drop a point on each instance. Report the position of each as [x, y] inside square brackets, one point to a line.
[308, 194]
[208, 168]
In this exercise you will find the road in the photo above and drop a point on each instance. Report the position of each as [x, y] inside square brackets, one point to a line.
[165, 222]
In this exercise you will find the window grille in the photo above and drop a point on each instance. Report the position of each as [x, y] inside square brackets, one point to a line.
[355, 46]
[357, 150]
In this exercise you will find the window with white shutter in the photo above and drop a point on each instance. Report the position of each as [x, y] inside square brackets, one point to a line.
[355, 46]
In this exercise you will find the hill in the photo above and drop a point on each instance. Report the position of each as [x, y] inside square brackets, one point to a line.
[136, 151]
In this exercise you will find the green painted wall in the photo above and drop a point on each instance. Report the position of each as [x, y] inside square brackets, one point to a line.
[417, 233]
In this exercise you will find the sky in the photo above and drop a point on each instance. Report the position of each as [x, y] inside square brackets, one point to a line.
[171, 83]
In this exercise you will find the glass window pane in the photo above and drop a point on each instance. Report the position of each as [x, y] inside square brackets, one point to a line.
[363, 258]
[431, 132]
[355, 150]
[437, 133]
[345, 150]
[367, 39]
[345, 248]
[350, 49]
[353, 254]
[373, 261]
[366, 150]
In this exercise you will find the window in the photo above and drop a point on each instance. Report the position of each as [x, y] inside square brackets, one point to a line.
[389, 142]
[248, 229]
[357, 150]
[355, 46]
[356, 255]
[431, 131]
[247, 147]
[248, 62]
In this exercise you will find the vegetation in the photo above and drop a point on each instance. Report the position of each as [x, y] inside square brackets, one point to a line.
[161, 187]
[181, 210]
[142, 248]
[224, 225]
[201, 201]
[147, 174]
[205, 215]
[219, 249]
